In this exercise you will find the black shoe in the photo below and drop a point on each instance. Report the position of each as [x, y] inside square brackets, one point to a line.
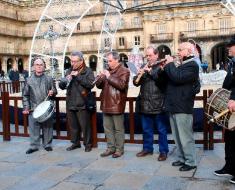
[186, 167]
[30, 151]
[222, 172]
[232, 180]
[88, 148]
[48, 149]
[73, 146]
[177, 163]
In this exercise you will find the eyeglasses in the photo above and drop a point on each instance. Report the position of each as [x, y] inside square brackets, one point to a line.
[40, 65]
[76, 61]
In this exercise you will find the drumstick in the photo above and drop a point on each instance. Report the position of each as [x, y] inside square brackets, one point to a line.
[219, 115]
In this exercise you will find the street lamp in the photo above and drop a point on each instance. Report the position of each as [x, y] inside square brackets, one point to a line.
[51, 36]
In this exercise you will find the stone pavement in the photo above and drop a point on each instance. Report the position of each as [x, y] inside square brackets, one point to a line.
[77, 170]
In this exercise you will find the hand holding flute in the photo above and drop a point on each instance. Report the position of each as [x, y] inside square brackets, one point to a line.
[102, 74]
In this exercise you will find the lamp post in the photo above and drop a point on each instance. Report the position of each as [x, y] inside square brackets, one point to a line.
[51, 36]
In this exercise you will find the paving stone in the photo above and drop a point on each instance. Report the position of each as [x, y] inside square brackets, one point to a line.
[166, 183]
[20, 157]
[47, 159]
[73, 186]
[93, 177]
[126, 180]
[76, 163]
[171, 171]
[112, 188]
[210, 184]
[207, 166]
[25, 170]
[5, 167]
[142, 165]
[8, 181]
[107, 164]
[4, 155]
[32, 184]
[56, 173]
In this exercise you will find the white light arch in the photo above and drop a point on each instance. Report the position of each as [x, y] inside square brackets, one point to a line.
[61, 17]
[57, 23]
[230, 5]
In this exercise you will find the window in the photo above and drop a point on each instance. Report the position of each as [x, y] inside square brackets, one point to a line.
[78, 26]
[192, 26]
[224, 24]
[137, 40]
[161, 29]
[122, 23]
[136, 21]
[121, 41]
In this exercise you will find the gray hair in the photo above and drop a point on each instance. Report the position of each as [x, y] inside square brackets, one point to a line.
[78, 54]
[114, 54]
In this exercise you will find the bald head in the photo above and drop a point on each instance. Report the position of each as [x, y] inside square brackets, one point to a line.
[185, 49]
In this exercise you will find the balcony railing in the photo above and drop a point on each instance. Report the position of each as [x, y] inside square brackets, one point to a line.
[131, 25]
[84, 47]
[161, 37]
[207, 33]
[18, 51]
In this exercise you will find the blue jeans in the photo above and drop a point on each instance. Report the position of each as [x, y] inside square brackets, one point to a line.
[149, 121]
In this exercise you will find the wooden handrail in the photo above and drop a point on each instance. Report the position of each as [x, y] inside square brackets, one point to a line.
[207, 139]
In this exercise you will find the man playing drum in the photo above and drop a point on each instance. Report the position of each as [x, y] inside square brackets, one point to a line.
[37, 88]
[229, 136]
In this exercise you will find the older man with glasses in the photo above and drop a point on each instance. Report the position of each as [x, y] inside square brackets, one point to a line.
[180, 93]
[37, 87]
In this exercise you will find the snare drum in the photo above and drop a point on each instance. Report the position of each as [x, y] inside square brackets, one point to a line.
[216, 104]
[44, 111]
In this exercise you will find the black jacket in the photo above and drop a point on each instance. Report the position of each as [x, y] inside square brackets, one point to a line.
[78, 89]
[180, 92]
[151, 97]
[229, 81]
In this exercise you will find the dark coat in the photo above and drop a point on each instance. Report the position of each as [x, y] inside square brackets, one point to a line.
[151, 96]
[229, 81]
[114, 90]
[78, 88]
[180, 92]
[14, 75]
[36, 90]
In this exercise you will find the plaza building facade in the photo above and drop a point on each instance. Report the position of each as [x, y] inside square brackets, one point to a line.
[164, 24]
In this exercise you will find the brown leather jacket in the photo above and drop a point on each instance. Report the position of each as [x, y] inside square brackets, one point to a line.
[114, 90]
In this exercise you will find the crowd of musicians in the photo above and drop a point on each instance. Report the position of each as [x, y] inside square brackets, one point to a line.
[167, 91]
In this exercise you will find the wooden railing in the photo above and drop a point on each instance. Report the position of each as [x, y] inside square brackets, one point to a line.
[11, 86]
[19, 128]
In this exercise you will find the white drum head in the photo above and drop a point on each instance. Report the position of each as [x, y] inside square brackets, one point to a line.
[41, 109]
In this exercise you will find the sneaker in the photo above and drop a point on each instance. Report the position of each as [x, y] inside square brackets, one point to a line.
[222, 172]
[232, 180]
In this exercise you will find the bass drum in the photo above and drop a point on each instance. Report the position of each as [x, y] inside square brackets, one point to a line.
[216, 104]
[44, 111]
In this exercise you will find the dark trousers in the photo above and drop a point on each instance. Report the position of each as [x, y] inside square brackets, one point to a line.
[80, 122]
[229, 138]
